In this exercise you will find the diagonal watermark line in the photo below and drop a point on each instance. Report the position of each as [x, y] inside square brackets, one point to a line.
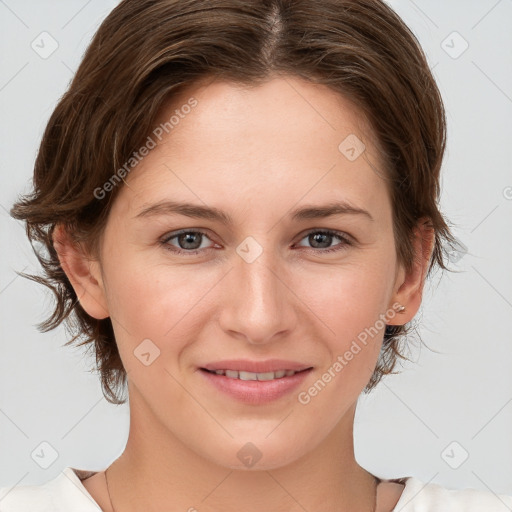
[495, 289]
[18, 221]
[286, 490]
[424, 423]
[101, 399]
[76, 14]
[412, 497]
[492, 81]
[478, 432]
[424, 13]
[170, 170]
[2, 2]
[492, 211]
[65, 65]
[14, 486]
[301, 300]
[81, 489]
[491, 490]
[300, 199]
[217, 486]
[200, 299]
[13, 423]
[14, 76]
[12, 280]
[200, 404]
[309, 104]
[279, 423]
[486, 14]
[373, 167]
[112, 319]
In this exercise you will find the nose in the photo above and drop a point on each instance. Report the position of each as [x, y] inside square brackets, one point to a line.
[258, 303]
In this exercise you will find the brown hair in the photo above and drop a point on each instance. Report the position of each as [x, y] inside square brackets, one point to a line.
[147, 51]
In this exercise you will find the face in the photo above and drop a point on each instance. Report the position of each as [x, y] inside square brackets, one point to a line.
[242, 275]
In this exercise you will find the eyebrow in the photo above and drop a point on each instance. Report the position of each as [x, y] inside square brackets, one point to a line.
[205, 212]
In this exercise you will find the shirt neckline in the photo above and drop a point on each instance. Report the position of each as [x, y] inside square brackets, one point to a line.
[410, 485]
[75, 477]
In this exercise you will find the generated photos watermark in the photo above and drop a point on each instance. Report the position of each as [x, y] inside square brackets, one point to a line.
[138, 156]
[304, 397]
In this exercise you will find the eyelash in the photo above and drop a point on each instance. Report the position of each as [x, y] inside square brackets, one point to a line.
[165, 241]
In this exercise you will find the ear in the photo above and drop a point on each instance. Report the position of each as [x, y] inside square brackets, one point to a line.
[409, 285]
[83, 272]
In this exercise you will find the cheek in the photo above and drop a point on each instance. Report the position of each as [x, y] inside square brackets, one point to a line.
[163, 303]
[347, 303]
[345, 299]
[346, 306]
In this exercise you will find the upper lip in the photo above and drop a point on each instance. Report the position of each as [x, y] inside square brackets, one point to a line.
[246, 365]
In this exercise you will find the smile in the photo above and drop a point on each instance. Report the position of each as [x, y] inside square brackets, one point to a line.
[255, 388]
[242, 375]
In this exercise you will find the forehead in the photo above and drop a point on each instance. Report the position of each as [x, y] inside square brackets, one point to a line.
[278, 102]
[285, 136]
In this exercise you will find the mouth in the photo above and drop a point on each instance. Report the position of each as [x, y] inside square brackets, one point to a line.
[260, 376]
[255, 383]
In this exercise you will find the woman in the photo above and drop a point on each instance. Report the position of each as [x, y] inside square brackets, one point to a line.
[239, 203]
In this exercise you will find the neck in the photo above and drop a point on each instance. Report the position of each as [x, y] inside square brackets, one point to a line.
[156, 471]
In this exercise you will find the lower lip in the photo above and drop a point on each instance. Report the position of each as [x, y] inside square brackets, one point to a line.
[256, 392]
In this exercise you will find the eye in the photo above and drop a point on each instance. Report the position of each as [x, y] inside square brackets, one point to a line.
[189, 242]
[192, 242]
[324, 237]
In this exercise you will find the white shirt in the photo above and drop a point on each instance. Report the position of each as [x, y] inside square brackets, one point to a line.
[66, 493]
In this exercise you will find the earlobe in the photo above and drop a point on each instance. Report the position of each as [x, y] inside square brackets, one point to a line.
[410, 284]
[83, 273]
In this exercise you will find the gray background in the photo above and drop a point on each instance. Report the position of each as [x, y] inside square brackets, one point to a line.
[454, 401]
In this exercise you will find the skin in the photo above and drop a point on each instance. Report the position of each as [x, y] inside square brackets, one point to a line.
[255, 153]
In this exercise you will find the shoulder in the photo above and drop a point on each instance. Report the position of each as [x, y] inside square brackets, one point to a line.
[429, 497]
[63, 493]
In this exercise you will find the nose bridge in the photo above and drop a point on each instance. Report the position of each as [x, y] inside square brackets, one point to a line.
[257, 304]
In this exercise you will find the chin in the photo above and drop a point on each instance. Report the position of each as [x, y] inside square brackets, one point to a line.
[258, 455]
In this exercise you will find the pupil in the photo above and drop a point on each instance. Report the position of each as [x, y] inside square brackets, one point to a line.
[321, 235]
[189, 238]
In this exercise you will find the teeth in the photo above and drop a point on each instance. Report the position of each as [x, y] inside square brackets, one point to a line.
[235, 374]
